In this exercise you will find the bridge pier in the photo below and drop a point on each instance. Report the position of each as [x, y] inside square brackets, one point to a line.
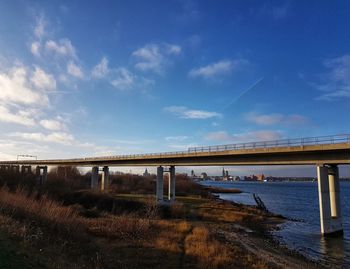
[94, 177]
[329, 200]
[171, 189]
[26, 169]
[160, 178]
[14, 168]
[105, 178]
[41, 177]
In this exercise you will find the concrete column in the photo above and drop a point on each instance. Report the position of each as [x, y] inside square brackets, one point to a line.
[159, 193]
[94, 177]
[38, 175]
[105, 178]
[44, 173]
[41, 177]
[26, 169]
[333, 177]
[171, 194]
[334, 193]
[329, 225]
[14, 168]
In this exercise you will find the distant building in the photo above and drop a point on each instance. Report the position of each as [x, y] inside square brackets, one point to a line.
[261, 177]
[146, 174]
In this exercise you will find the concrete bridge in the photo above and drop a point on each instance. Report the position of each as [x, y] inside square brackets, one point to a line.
[326, 153]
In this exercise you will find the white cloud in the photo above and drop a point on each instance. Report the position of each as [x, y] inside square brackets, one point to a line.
[217, 69]
[173, 49]
[43, 80]
[55, 137]
[101, 70]
[276, 118]
[15, 88]
[21, 117]
[153, 57]
[52, 124]
[264, 135]
[63, 47]
[176, 138]
[39, 29]
[74, 70]
[35, 48]
[122, 79]
[336, 82]
[185, 113]
[149, 58]
[182, 146]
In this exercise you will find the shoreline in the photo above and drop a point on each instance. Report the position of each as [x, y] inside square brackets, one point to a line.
[268, 240]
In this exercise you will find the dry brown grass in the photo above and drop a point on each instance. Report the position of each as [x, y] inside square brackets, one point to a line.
[208, 252]
[128, 227]
[44, 212]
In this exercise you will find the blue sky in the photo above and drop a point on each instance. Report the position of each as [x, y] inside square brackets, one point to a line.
[81, 78]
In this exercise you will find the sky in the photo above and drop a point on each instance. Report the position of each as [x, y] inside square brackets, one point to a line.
[81, 78]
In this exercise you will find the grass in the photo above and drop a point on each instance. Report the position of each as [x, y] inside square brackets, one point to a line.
[72, 228]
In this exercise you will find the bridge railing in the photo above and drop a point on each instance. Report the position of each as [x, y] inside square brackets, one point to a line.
[324, 140]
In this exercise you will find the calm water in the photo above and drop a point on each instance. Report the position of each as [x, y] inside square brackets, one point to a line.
[299, 200]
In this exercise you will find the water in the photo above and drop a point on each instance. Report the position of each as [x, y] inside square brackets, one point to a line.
[298, 200]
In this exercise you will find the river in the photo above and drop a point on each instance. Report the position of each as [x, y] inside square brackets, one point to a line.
[298, 200]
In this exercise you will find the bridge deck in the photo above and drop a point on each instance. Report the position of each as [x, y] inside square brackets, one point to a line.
[338, 153]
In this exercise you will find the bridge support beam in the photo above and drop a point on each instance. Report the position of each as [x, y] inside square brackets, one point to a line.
[41, 177]
[160, 178]
[94, 177]
[329, 200]
[14, 168]
[171, 189]
[105, 178]
[26, 169]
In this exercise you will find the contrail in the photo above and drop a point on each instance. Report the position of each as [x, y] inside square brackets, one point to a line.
[243, 93]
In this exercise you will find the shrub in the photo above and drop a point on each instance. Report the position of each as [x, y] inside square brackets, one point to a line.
[44, 212]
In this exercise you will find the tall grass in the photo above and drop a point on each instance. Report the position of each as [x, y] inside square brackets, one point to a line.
[43, 211]
[208, 252]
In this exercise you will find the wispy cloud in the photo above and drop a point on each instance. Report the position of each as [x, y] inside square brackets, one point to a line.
[35, 48]
[53, 124]
[336, 81]
[55, 137]
[74, 70]
[39, 29]
[21, 117]
[271, 10]
[218, 69]
[62, 47]
[276, 118]
[177, 138]
[101, 70]
[225, 137]
[43, 80]
[186, 113]
[154, 57]
[123, 79]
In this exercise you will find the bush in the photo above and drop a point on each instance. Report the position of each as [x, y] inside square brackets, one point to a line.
[45, 212]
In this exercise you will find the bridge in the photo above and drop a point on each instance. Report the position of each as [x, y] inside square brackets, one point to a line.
[326, 153]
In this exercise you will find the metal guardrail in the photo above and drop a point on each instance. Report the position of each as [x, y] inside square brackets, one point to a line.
[320, 140]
